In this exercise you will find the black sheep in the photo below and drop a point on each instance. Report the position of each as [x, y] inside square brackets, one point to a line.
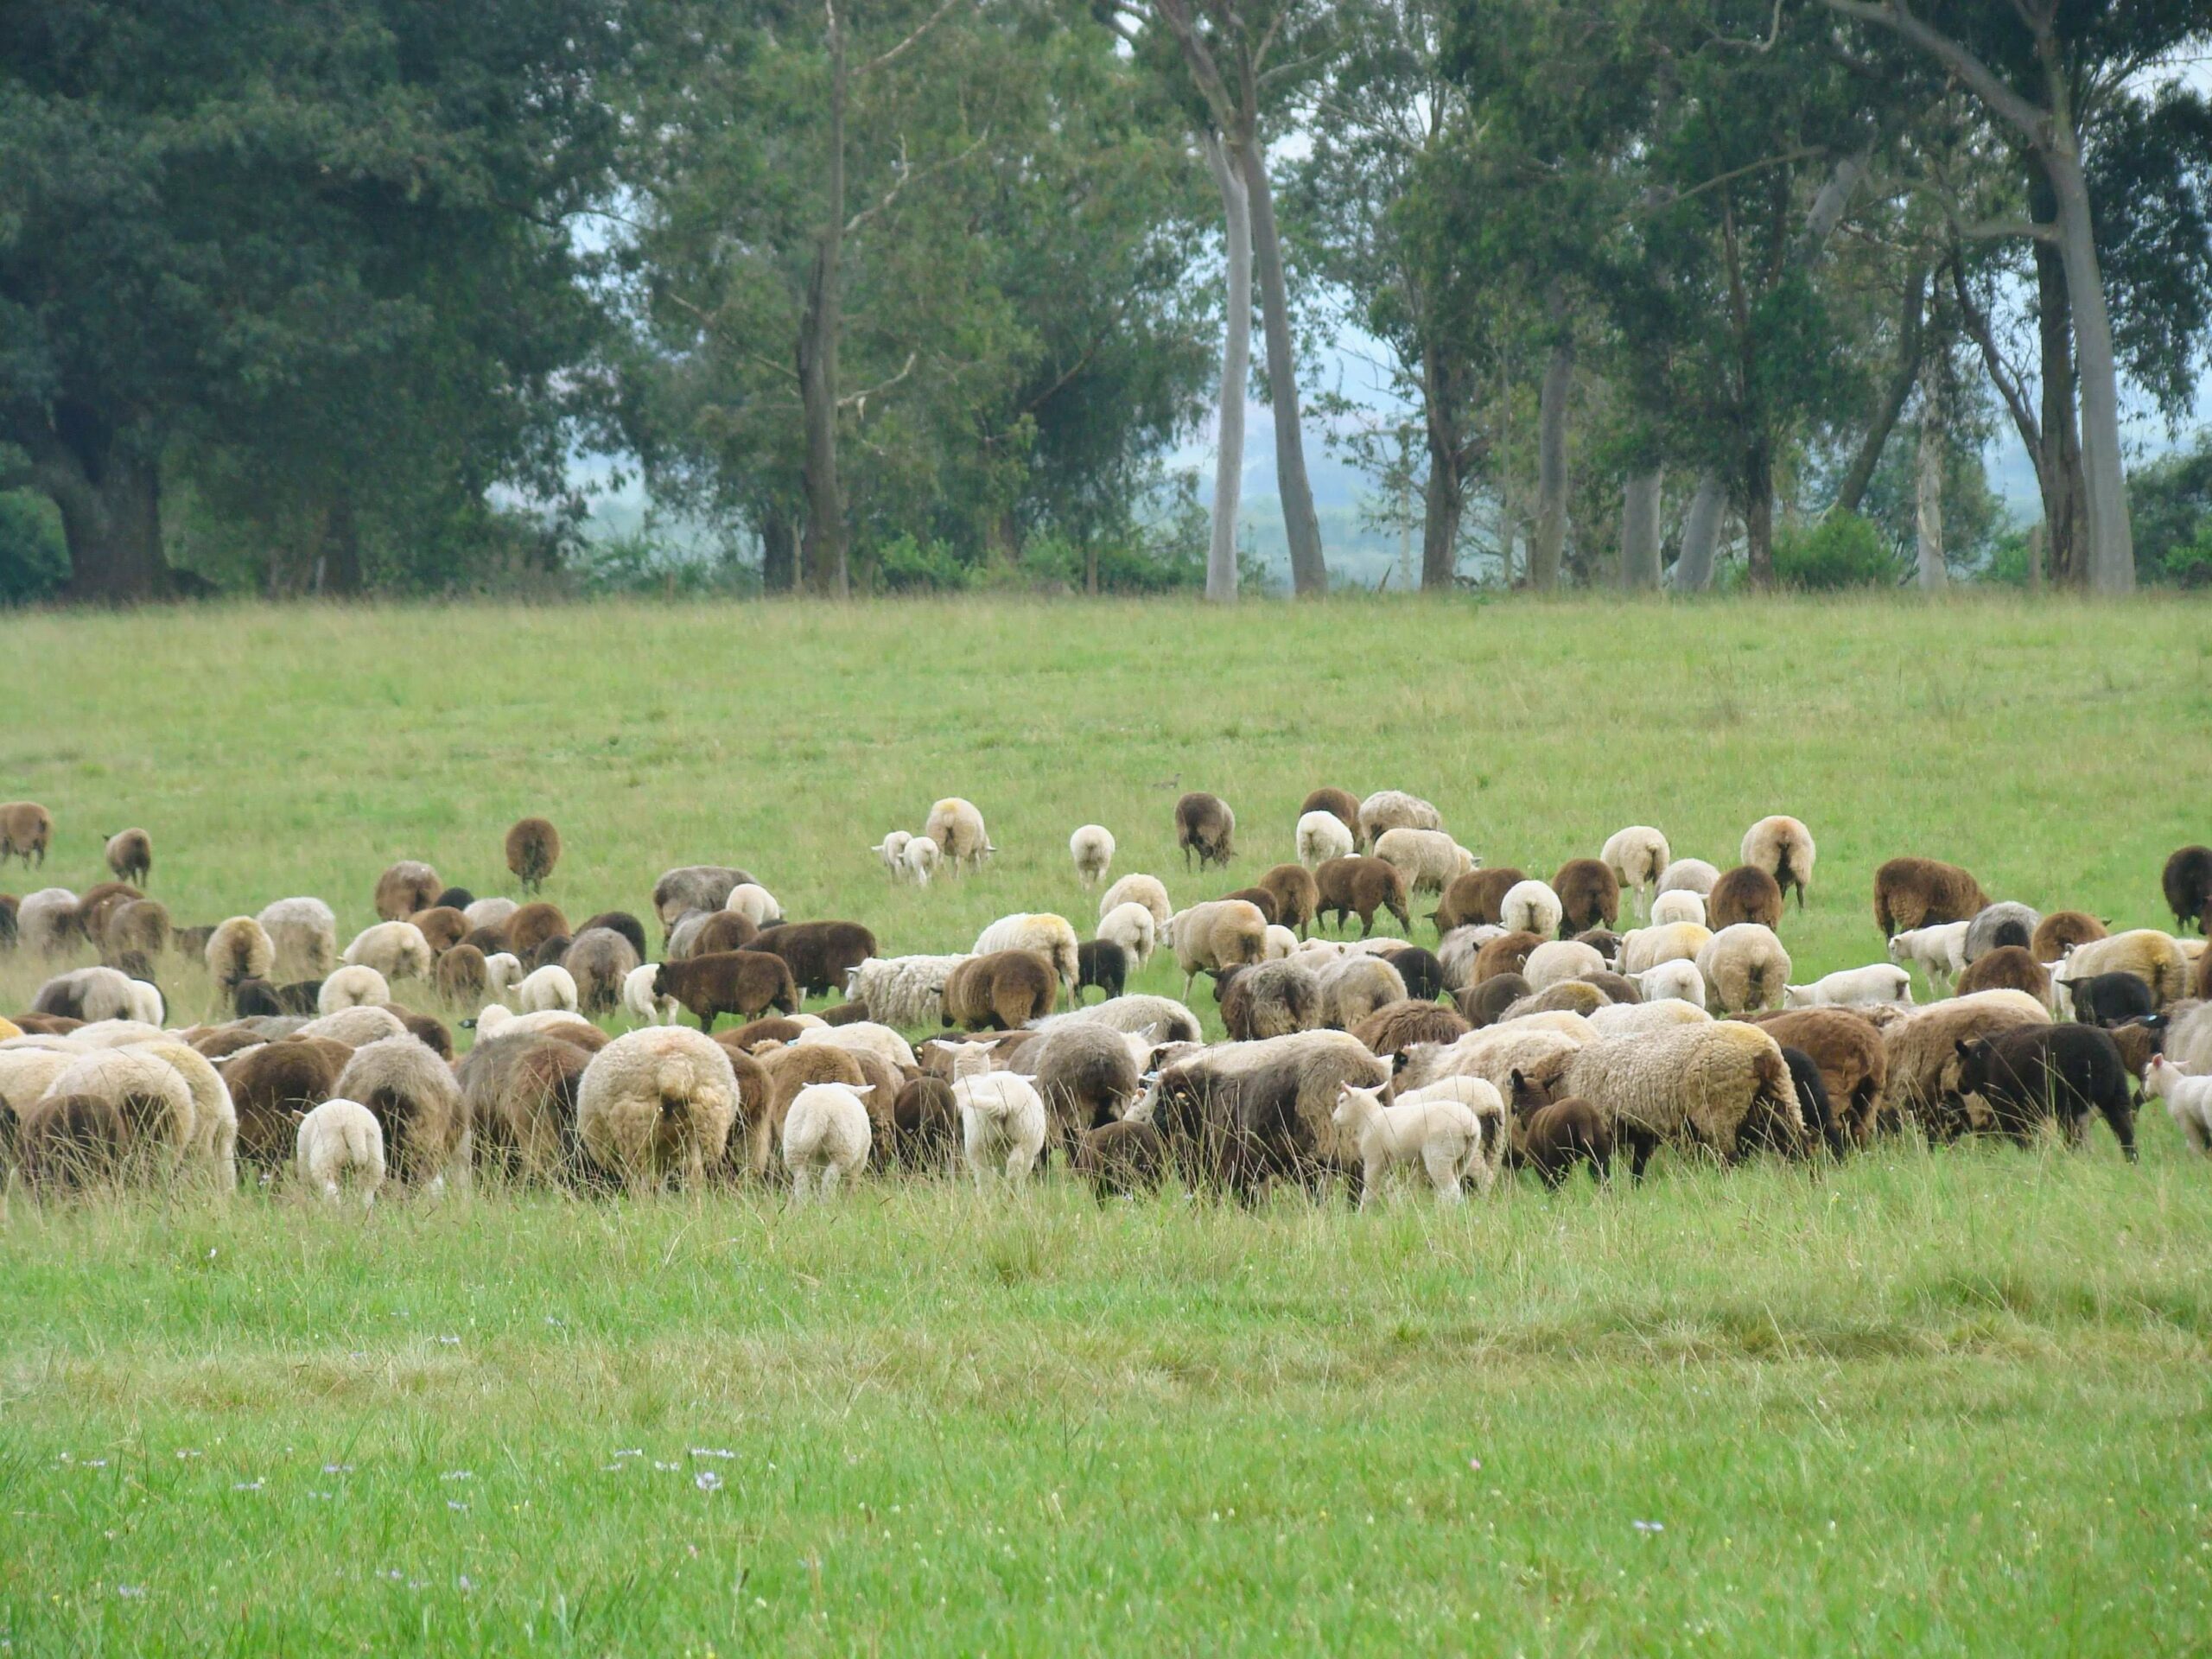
[2038, 1072]
[2111, 999]
[1101, 962]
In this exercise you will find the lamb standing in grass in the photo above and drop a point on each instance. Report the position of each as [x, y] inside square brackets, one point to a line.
[1131, 926]
[1092, 849]
[1002, 1115]
[340, 1143]
[1531, 907]
[921, 858]
[892, 851]
[1880, 982]
[1441, 1133]
[2189, 1099]
[1941, 951]
[826, 1137]
[639, 999]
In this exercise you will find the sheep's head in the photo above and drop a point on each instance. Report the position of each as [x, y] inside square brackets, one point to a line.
[1355, 1105]
[663, 981]
[1796, 996]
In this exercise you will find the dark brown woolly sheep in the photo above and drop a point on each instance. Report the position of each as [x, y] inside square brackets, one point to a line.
[138, 924]
[45, 1024]
[1813, 1102]
[26, 828]
[1476, 899]
[1340, 804]
[425, 1029]
[1360, 886]
[490, 941]
[531, 925]
[1206, 826]
[756, 1094]
[442, 925]
[776, 1028]
[725, 930]
[521, 1088]
[2012, 967]
[300, 996]
[1101, 962]
[1238, 1115]
[789, 1070]
[925, 1123]
[2187, 883]
[1746, 893]
[819, 953]
[622, 922]
[2109, 999]
[1589, 895]
[549, 952]
[1910, 892]
[1617, 987]
[1483, 1003]
[454, 898]
[1602, 940]
[846, 1013]
[1268, 999]
[742, 982]
[1121, 1157]
[131, 855]
[1419, 967]
[1554, 1137]
[1396, 1027]
[1297, 896]
[461, 975]
[533, 848]
[2028, 1075]
[2061, 931]
[277, 1084]
[1086, 1076]
[1506, 954]
[406, 887]
[252, 998]
[1852, 1060]
[1002, 990]
[1259, 898]
[70, 1142]
[599, 960]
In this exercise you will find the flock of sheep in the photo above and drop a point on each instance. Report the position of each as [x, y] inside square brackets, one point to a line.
[1534, 1034]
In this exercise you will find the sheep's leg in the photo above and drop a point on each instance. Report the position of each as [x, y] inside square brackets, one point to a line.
[798, 1186]
[825, 1181]
[1019, 1163]
[1371, 1181]
[1443, 1166]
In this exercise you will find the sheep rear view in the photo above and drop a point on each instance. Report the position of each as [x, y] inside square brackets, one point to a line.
[1205, 828]
[533, 848]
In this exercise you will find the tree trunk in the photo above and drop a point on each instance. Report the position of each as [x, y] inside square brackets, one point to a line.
[340, 555]
[1441, 501]
[823, 551]
[2104, 476]
[1860, 473]
[1928, 495]
[2058, 461]
[1640, 529]
[1090, 566]
[1551, 465]
[1309, 570]
[778, 552]
[1235, 372]
[1700, 530]
[1758, 516]
[112, 522]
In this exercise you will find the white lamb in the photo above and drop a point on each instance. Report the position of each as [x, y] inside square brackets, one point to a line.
[826, 1136]
[639, 999]
[2189, 1099]
[1637, 857]
[1092, 849]
[1440, 1133]
[1880, 982]
[1131, 926]
[1051, 937]
[1322, 837]
[501, 969]
[1941, 950]
[892, 850]
[549, 987]
[1277, 943]
[353, 986]
[1135, 889]
[1531, 907]
[1556, 960]
[1679, 978]
[340, 1142]
[754, 902]
[1429, 859]
[921, 858]
[1002, 1115]
[1678, 905]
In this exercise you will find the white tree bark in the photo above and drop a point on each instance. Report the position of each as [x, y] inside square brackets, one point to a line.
[1700, 530]
[1640, 529]
[1928, 496]
[1235, 375]
[1550, 541]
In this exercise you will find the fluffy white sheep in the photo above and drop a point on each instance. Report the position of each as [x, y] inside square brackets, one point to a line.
[1689, 875]
[150, 1094]
[1002, 1115]
[1744, 967]
[46, 921]
[1277, 943]
[1353, 987]
[902, 990]
[656, 1101]
[490, 913]
[1437, 1131]
[551, 987]
[214, 1148]
[502, 970]
[1322, 837]
[304, 933]
[1645, 948]
[957, 829]
[1941, 951]
[1637, 857]
[1880, 982]
[1620, 1019]
[1168, 1020]
[496, 1017]
[356, 1027]
[921, 858]
[87, 994]
[396, 949]
[1678, 905]
[354, 986]
[892, 852]
[238, 949]
[1530, 906]
[1136, 889]
[826, 1137]
[1393, 808]
[1429, 859]
[1784, 848]
[861, 1036]
[339, 1144]
[1220, 933]
[1092, 849]
[1555, 960]
[1674, 980]
[2189, 1099]
[1131, 926]
[754, 902]
[639, 1000]
[1051, 937]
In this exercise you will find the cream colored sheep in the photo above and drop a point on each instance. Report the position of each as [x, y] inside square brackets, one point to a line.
[340, 1144]
[1429, 859]
[1048, 936]
[494, 913]
[1279, 943]
[891, 851]
[921, 859]
[238, 949]
[354, 986]
[1530, 906]
[862, 1036]
[957, 829]
[1494, 1054]
[1881, 981]
[826, 1137]
[1784, 848]
[1353, 987]
[356, 1027]
[396, 949]
[902, 990]
[46, 922]
[1744, 967]
[1322, 837]
[1645, 948]
[1637, 857]
[214, 1149]
[1131, 926]
[1676, 979]
[303, 933]
[1393, 808]
[1220, 933]
[1091, 846]
[1706, 1084]
[754, 902]
[1136, 889]
[502, 972]
[549, 987]
[1689, 875]
[1439, 1133]
[1556, 960]
[1167, 1018]
[1678, 905]
[2154, 957]
[657, 1100]
[1620, 1019]
[151, 1096]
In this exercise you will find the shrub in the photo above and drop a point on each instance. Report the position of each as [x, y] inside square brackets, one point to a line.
[1841, 550]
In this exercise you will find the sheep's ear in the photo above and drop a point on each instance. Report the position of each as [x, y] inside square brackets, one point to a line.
[863, 1089]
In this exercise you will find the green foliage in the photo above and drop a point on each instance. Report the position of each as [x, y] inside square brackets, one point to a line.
[1838, 551]
[2171, 501]
[34, 560]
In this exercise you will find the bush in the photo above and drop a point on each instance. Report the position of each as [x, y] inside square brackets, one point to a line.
[1841, 550]
[34, 558]
[908, 565]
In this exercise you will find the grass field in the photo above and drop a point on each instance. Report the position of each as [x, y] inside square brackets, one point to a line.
[1922, 1402]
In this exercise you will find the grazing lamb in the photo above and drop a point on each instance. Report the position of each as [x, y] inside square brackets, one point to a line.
[1744, 894]
[958, 829]
[1744, 966]
[1689, 875]
[502, 970]
[1003, 990]
[340, 1144]
[1557, 960]
[1724, 1085]
[1002, 1118]
[1881, 981]
[1917, 893]
[1555, 1137]
[1131, 926]
[657, 1102]
[826, 1136]
[26, 829]
[1531, 907]
[396, 949]
[1206, 827]
[2189, 1100]
[130, 856]
[416, 1100]
[548, 989]
[1440, 1133]
[238, 950]
[2186, 881]
[1091, 846]
[1393, 808]
[1046, 935]
[1997, 925]
[406, 887]
[1637, 857]
[921, 859]
[1134, 889]
[1784, 848]
[2027, 1075]
[906, 991]
[1322, 837]
[751, 900]
[1360, 886]
[1940, 949]
[820, 952]
[1677, 978]
[1429, 859]
[891, 852]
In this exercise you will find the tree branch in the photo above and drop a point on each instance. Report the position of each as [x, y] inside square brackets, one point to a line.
[857, 401]
[2009, 385]
[907, 175]
[2034, 123]
[885, 60]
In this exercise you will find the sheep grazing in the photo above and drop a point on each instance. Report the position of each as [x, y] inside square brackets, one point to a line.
[1103, 964]
[1724, 1086]
[1145, 890]
[1880, 982]
[2009, 967]
[1556, 1137]
[1222, 933]
[1916, 892]
[1002, 1117]
[1557, 960]
[1296, 895]
[2189, 1100]
[1340, 804]
[642, 1002]
[238, 949]
[532, 924]
[1784, 848]
[599, 960]
[819, 953]
[741, 983]
[1002, 990]
[1132, 928]
[1272, 999]
[1476, 899]
[1637, 857]
[1744, 894]
[1121, 1158]
[1440, 1133]
[2155, 959]
[826, 1138]
[1393, 808]
[1242, 1113]
[1091, 846]
[417, 1101]
[1998, 925]
[902, 990]
[131, 855]
[1508, 953]
[1086, 1076]
[442, 925]
[751, 900]
[1485, 1003]
[2109, 999]
[275, 1085]
[406, 887]
[339, 1144]
[957, 828]
[1850, 1056]
[1429, 859]
[1589, 895]
[552, 988]
[1744, 966]
[1049, 935]
[921, 859]
[717, 929]
[1689, 875]
[87, 994]
[26, 830]
[2061, 931]
[1322, 837]
[71, 1143]
[2027, 1075]
[1923, 1066]
[533, 848]
[152, 1098]
[1422, 969]
[462, 977]
[1359, 886]
[1939, 948]
[1676, 979]
[1679, 904]
[891, 853]
[1531, 907]
[1355, 986]
[1397, 1027]
[2187, 883]
[367, 1023]
[1261, 899]
[786, 1071]
[1206, 827]
[1163, 1017]
[396, 949]
[691, 887]
[658, 1101]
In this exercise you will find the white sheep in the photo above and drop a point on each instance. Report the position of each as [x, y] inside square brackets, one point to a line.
[902, 990]
[921, 859]
[1637, 857]
[1051, 937]
[1744, 967]
[1619, 1019]
[1002, 1115]
[1531, 907]
[549, 988]
[1136, 889]
[656, 1100]
[304, 932]
[339, 1143]
[1689, 875]
[892, 851]
[1556, 960]
[639, 999]
[396, 949]
[754, 902]
[1880, 982]
[497, 1017]
[46, 921]
[1277, 943]
[1393, 808]
[1429, 859]
[1131, 926]
[353, 986]
[1784, 848]
[1440, 1133]
[355, 1027]
[494, 913]
[1678, 905]
[2189, 1099]
[1678, 979]
[861, 1037]
[1647, 947]
[826, 1136]
[957, 829]
[214, 1116]
[502, 968]
[1322, 837]
[146, 999]
[1092, 849]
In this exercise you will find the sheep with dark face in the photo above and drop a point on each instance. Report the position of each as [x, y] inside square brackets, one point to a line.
[131, 855]
[533, 848]
[1420, 969]
[2028, 1076]
[1206, 827]
[1239, 1114]
[2110, 999]
[2187, 882]
[742, 982]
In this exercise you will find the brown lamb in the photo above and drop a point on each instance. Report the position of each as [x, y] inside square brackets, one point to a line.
[1297, 896]
[742, 982]
[1360, 886]
[1204, 826]
[1589, 895]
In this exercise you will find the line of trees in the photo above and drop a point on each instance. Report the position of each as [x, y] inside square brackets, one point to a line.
[898, 293]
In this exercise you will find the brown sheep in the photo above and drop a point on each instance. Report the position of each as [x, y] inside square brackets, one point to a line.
[138, 924]
[1340, 804]
[1923, 1064]
[775, 1029]
[530, 926]
[1506, 954]
[1553, 1137]
[1482, 1004]
[1589, 895]
[273, 1086]
[1616, 986]
[742, 982]
[1396, 1027]
[1002, 990]
[406, 887]
[1206, 826]
[789, 1070]
[415, 1099]
[550, 951]
[426, 1029]
[1259, 898]
[1848, 1052]
[521, 1091]
[1477, 898]
[1086, 1076]
[937, 1055]
[26, 828]
[599, 960]
[1746, 893]
[2138, 1040]
[846, 1013]
[70, 1142]
[1297, 896]
[1569, 996]
[490, 941]
[442, 925]
[1359, 886]
[925, 1123]
[131, 855]
[622, 922]
[2187, 882]
[99, 901]
[1121, 1157]
[820, 953]
[2009, 967]
[755, 1097]
[533, 848]
[1910, 892]
[2058, 932]
[461, 975]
